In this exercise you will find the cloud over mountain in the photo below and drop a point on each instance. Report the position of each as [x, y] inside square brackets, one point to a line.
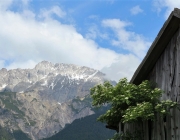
[28, 37]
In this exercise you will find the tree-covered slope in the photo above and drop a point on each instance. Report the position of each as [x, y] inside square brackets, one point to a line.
[86, 128]
[16, 135]
[4, 134]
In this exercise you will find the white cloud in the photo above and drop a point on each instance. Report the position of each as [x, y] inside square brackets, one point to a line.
[4, 4]
[21, 64]
[26, 41]
[94, 33]
[115, 23]
[2, 63]
[25, 2]
[27, 14]
[95, 17]
[125, 66]
[136, 10]
[54, 10]
[169, 5]
[127, 40]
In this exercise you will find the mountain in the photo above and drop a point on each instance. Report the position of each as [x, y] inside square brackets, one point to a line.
[5, 134]
[40, 102]
[86, 128]
[51, 79]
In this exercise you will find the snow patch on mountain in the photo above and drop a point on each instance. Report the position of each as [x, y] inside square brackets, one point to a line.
[3, 86]
[50, 95]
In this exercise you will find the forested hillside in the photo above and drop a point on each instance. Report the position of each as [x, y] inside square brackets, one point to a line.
[5, 134]
[86, 128]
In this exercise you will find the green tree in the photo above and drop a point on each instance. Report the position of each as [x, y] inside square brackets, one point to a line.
[129, 102]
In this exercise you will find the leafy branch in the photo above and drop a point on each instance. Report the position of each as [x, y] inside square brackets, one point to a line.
[129, 102]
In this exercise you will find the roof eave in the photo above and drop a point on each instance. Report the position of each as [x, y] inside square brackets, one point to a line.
[161, 41]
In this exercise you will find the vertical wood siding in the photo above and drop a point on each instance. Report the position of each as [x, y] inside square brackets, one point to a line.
[166, 73]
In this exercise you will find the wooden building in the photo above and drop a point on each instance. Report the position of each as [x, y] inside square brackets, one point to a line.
[162, 66]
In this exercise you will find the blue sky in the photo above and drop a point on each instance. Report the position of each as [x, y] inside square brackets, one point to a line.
[112, 36]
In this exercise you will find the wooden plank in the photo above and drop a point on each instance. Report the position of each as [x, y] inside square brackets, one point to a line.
[168, 72]
[178, 123]
[166, 64]
[160, 133]
[162, 77]
[172, 126]
[120, 131]
[178, 66]
[157, 128]
[152, 130]
[175, 123]
[168, 127]
[146, 130]
[162, 128]
[176, 78]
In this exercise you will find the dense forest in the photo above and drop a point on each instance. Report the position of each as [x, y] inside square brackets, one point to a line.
[86, 128]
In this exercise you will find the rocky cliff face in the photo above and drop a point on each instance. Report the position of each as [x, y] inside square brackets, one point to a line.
[41, 101]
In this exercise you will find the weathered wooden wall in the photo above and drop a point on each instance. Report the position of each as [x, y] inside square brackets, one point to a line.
[161, 129]
[166, 73]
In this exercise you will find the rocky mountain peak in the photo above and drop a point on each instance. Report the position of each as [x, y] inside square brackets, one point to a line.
[47, 97]
[44, 65]
[51, 78]
[3, 70]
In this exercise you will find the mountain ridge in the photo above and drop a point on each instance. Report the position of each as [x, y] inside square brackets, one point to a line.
[42, 100]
